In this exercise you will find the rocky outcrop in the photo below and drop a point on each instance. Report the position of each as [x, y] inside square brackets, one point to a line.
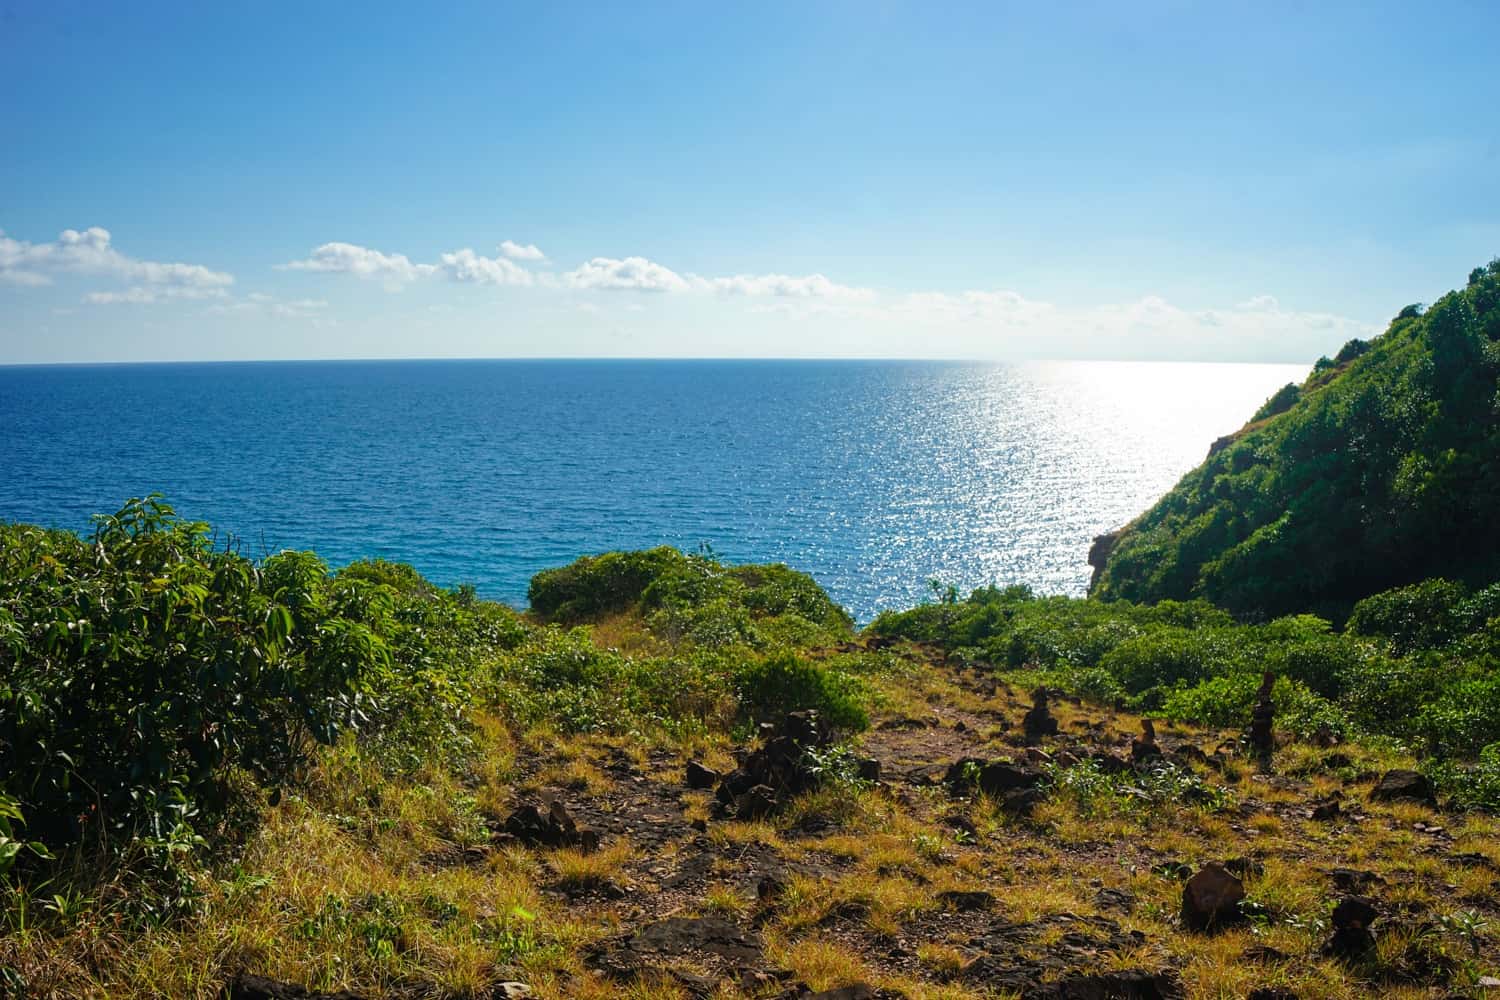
[780, 768]
[1099, 553]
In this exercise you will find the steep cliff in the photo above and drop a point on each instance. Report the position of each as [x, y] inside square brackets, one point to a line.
[1383, 468]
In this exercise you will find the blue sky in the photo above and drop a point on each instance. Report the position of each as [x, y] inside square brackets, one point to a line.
[1150, 180]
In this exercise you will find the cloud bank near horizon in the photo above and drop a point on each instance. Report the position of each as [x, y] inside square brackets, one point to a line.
[973, 322]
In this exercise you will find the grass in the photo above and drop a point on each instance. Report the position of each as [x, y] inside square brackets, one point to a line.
[387, 881]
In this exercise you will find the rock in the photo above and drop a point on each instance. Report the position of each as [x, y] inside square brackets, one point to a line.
[1021, 802]
[528, 825]
[994, 778]
[246, 987]
[709, 940]
[1128, 984]
[511, 991]
[769, 888]
[1353, 881]
[1327, 808]
[1099, 552]
[1119, 900]
[757, 802]
[699, 776]
[1211, 899]
[1144, 746]
[1352, 919]
[966, 900]
[768, 777]
[1038, 723]
[1401, 785]
[867, 769]
[1262, 737]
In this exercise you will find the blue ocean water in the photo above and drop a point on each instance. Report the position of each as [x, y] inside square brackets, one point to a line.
[872, 476]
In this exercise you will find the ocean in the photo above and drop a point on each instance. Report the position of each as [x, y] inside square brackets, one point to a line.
[873, 476]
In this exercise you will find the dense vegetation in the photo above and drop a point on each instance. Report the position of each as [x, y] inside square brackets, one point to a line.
[156, 690]
[212, 764]
[1381, 470]
[1418, 664]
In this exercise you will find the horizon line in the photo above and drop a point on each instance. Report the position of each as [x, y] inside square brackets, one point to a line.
[633, 357]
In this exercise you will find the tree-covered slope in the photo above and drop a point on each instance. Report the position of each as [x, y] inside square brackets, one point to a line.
[1382, 469]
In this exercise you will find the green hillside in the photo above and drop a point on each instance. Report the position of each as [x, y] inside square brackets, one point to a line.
[1382, 469]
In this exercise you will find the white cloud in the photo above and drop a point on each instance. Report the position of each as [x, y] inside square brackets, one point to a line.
[261, 304]
[630, 274]
[395, 270]
[466, 265]
[517, 251]
[90, 252]
[812, 286]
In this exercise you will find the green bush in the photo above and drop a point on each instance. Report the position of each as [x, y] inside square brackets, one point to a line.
[782, 683]
[598, 585]
[692, 598]
[137, 669]
[1421, 616]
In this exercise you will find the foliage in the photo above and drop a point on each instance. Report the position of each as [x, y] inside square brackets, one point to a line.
[1418, 664]
[688, 597]
[784, 682]
[142, 669]
[1381, 474]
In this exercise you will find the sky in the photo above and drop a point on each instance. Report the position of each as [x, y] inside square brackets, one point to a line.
[1153, 180]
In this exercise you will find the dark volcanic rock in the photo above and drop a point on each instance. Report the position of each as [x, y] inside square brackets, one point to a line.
[699, 776]
[245, 987]
[530, 826]
[1128, 984]
[966, 900]
[710, 940]
[1352, 935]
[1144, 747]
[994, 778]
[1211, 899]
[1038, 722]
[1402, 785]
[1262, 737]
[779, 769]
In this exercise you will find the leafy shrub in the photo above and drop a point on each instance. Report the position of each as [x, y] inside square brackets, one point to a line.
[783, 683]
[1421, 616]
[690, 598]
[149, 681]
[597, 585]
[1476, 787]
[1281, 400]
[143, 665]
[1463, 719]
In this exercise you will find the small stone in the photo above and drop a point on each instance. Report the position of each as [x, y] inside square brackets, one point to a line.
[1211, 899]
[966, 900]
[699, 776]
[511, 991]
[757, 803]
[1401, 785]
[1352, 919]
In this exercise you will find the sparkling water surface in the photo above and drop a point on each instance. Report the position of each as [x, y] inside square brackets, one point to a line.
[872, 476]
